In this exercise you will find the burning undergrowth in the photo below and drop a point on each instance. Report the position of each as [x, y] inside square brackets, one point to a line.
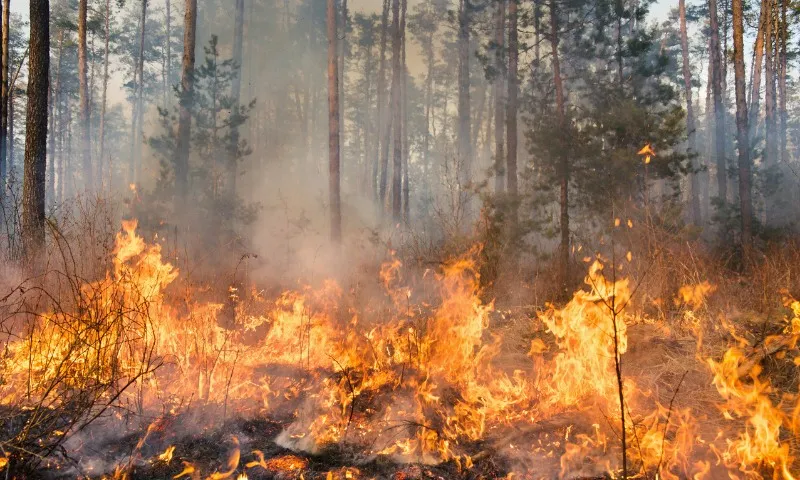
[140, 377]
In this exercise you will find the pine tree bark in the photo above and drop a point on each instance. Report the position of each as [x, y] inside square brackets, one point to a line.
[404, 112]
[101, 163]
[342, 33]
[754, 107]
[55, 97]
[384, 123]
[563, 162]
[513, 93]
[742, 135]
[464, 134]
[5, 94]
[397, 155]
[83, 86]
[33, 189]
[186, 103]
[770, 137]
[167, 71]
[236, 90]
[782, 112]
[499, 97]
[691, 141]
[430, 61]
[719, 107]
[333, 125]
[140, 108]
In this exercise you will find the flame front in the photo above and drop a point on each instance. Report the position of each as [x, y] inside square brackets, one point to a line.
[416, 374]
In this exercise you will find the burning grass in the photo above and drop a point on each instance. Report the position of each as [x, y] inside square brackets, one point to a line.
[139, 377]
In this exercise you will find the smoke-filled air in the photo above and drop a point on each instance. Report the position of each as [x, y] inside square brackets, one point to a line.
[400, 239]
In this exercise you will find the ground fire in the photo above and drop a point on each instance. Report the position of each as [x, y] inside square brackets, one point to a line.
[419, 379]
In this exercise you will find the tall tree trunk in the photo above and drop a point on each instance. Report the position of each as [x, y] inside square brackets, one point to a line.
[691, 149]
[513, 93]
[499, 97]
[397, 156]
[4, 94]
[742, 136]
[101, 164]
[333, 126]
[343, 15]
[426, 138]
[165, 57]
[563, 166]
[384, 124]
[236, 89]
[168, 26]
[55, 97]
[404, 112]
[782, 113]
[719, 107]
[537, 29]
[187, 99]
[10, 137]
[140, 108]
[499, 114]
[33, 189]
[618, 12]
[705, 176]
[134, 115]
[754, 106]
[770, 137]
[464, 134]
[61, 129]
[83, 86]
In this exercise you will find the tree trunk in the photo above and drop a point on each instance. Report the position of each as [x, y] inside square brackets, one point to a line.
[236, 89]
[426, 138]
[140, 98]
[55, 96]
[691, 149]
[742, 136]
[4, 95]
[83, 86]
[705, 176]
[499, 114]
[385, 118]
[464, 134]
[102, 134]
[342, 32]
[165, 59]
[379, 165]
[10, 137]
[513, 93]
[754, 107]
[333, 125]
[397, 156]
[782, 112]
[719, 107]
[770, 146]
[61, 129]
[537, 28]
[366, 132]
[404, 112]
[186, 101]
[33, 190]
[564, 170]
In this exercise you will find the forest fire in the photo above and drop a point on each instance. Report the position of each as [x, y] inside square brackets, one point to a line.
[379, 381]
[399, 239]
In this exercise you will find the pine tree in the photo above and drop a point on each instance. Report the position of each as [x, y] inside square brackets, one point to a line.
[33, 196]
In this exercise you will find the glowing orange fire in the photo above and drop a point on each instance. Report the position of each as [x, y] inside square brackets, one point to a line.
[416, 380]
